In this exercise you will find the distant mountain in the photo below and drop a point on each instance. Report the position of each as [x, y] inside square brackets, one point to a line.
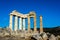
[55, 30]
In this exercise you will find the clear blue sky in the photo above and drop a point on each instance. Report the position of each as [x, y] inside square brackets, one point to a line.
[49, 9]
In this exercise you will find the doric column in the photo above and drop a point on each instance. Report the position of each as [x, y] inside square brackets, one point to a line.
[41, 27]
[24, 24]
[28, 24]
[10, 24]
[35, 24]
[20, 23]
[16, 23]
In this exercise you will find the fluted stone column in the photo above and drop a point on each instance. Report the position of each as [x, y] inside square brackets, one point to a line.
[10, 25]
[41, 27]
[35, 24]
[20, 23]
[28, 24]
[16, 23]
[24, 24]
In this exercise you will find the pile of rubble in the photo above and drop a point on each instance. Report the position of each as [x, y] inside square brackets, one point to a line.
[25, 35]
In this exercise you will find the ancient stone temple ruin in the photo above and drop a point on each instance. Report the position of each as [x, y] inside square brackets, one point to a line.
[22, 18]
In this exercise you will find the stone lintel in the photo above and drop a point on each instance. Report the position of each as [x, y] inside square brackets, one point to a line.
[19, 15]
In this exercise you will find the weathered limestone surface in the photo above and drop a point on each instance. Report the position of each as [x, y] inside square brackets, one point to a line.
[10, 24]
[41, 27]
[23, 24]
[28, 23]
[35, 24]
[16, 23]
[20, 23]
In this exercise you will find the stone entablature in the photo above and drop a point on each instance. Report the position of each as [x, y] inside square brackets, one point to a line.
[15, 13]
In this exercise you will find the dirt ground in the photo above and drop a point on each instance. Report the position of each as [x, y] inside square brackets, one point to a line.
[15, 38]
